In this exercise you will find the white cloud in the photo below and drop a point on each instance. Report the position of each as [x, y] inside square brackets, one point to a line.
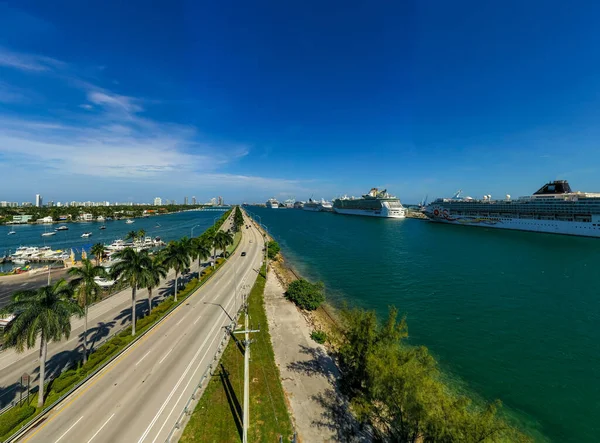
[28, 62]
[86, 106]
[114, 101]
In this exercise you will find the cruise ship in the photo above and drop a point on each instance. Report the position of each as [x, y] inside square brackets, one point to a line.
[554, 208]
[272, 203]
[326, 206]
[374, 204]
[312, 205]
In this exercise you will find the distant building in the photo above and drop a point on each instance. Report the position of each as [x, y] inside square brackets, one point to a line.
[157, 201]
[4, 204]
[213, 202]
[39, 201]
[50, 204]
[220, 201]
[47, 219]
[86, 217]
[185, 201]
[26, 204]
[193, 200]
[21, 218]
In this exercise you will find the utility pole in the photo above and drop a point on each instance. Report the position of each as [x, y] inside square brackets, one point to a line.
[247, 341]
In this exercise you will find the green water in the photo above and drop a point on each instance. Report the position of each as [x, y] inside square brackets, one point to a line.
[514, 315]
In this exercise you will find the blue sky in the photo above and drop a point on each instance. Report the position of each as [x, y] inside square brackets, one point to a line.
[248, 100]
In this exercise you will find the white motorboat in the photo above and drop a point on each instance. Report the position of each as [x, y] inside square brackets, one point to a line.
[12, 232]
[86, 235]
[129, 221]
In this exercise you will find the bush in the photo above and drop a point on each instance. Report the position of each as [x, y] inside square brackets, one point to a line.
[305, 294]
[319, 336]
[13, 417]
[65, 381]
[272, 249]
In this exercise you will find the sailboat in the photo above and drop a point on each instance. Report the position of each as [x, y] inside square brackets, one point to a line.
[48, 234]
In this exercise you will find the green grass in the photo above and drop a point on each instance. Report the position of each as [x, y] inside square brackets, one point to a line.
[217, 417]
[236, 241]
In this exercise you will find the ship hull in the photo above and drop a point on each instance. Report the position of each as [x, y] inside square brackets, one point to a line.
[312, 208]
[581, 229]
[383, 213]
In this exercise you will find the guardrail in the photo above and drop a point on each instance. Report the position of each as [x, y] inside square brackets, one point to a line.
[41, 416]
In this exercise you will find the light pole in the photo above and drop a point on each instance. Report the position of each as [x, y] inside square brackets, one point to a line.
[50, 267]
[192, 233]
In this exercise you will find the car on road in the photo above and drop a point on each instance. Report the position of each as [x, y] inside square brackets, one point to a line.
[244, 254]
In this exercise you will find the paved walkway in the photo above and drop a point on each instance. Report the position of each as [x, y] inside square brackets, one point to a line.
[308, 373]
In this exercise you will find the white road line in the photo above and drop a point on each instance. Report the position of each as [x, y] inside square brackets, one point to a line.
[196, 321]
[72, 426]
[145, 355]
[179, 321]
[101, 427]
[163, 359]
[187, 369]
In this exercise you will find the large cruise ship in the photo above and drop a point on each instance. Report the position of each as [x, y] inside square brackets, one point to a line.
[375, 204]
[554, 208]
[272, 203]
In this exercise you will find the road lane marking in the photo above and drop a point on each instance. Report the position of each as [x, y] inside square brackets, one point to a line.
[179, 321]
[196, 321]
[187, 369]
[145, 355]
[186, 386]
[67, 431]
[101, 427]
[163, 359]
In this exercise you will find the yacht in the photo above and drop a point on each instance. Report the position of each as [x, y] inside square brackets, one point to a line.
[129, 221]
[12, 232]
[48, 234]
[102, 227]
[86, 235]
[272, 203]
[62, 228]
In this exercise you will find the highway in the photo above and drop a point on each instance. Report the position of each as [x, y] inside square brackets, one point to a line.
[139, 396]
[13, 283]
[104, 318]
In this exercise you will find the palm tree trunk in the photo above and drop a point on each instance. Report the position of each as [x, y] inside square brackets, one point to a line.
[43, 353]
[133, 310]
[149, 300]
[176, 283]
[214, 256]
[85, 335]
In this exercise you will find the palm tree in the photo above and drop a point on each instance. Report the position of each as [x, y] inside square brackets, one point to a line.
[87, 291]
[133, 268]
[45, 312]
[177, 256]
[98, 250]
[200, 249]
[131, 235]
[222, 240]
[141, 234]
[157, 271]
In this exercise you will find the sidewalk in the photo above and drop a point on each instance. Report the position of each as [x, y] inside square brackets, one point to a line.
[308, 373]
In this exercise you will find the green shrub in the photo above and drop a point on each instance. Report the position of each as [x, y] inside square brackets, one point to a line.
[305, 294]
[63, 383]
[319, 336]
[273, 249]
[13, 418]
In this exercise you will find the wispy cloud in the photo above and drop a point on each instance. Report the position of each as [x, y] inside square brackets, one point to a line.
[28, 62]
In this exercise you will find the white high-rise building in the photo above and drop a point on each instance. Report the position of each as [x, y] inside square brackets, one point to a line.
[38, 200]
[157, 201]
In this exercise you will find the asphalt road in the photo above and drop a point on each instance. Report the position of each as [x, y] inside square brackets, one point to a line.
[139, 397]
[11, 284]
[104, 319]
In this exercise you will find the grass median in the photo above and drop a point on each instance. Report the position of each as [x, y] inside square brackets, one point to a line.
[218, 415]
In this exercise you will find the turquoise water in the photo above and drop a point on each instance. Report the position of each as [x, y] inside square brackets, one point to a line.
[167, 227]
[514, 315]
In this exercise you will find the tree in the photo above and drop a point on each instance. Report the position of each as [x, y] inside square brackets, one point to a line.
[141, 234]
[200, 250]
[87, 291]
[98, 250]
[305, 294]
[131, 235]
[177, 256]
[273, 249]
[157, 271]
[221, 240]
[133, 268]
[45, 312]
[397, 389]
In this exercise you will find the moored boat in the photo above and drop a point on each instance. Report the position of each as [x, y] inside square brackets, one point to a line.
[374, 204]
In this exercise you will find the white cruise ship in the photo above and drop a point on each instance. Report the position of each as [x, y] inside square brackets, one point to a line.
[554, 209]
[272, 203]
[374, 204]
[326, 206]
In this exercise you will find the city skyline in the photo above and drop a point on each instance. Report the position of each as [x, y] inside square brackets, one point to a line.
[421, 101]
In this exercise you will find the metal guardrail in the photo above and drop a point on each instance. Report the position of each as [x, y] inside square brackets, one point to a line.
[41, 416]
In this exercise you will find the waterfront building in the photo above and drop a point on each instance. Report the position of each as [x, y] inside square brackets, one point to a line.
[38, 201]
[185, 201]
[193, 200]
[86, 217]
[157, 201]
[22, 218]
[47, 219]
